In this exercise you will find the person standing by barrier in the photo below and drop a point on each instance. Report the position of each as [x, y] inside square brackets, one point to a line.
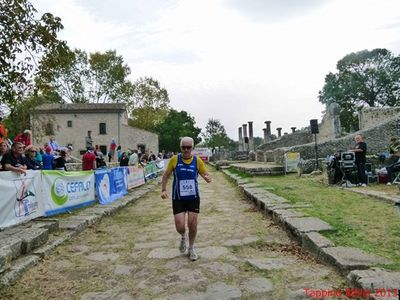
[14, 160]
[89, 160]
[185, 192]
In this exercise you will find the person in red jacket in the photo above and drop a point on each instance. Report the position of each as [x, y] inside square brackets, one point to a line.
[89, 160]
[24, 138]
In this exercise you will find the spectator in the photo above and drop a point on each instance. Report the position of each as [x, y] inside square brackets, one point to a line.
[59, 162]
[124, 161]
[111, 152]
[30, 157]
[89, 140]
[119, 152]
[48, 159]
[24, 138]
[3, 129]
[3, 151]
[133, 159]
[360, 151]
[53, 144]
[14, 160]
[89, 160]
[394, 150]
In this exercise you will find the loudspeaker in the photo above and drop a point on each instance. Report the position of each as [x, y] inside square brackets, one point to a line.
[314, 126]
[246, 140]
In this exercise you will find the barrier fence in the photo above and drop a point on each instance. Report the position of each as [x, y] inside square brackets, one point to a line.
[47, 193]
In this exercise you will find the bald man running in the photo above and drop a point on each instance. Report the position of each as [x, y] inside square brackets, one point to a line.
[185, 192]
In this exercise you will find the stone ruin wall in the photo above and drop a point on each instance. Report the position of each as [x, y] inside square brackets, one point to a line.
[377, 140]
[374, 116]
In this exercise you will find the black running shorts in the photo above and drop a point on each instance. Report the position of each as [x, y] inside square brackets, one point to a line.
[179, 206]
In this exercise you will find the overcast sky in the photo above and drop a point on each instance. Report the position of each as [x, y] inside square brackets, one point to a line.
[233, 60]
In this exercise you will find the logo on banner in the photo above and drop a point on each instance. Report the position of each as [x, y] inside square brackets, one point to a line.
[25, 203]
[58, 192]
[105, 187]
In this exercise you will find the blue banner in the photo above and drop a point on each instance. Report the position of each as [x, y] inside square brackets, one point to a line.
[111, 184]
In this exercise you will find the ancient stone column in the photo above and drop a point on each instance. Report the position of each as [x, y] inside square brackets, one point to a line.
[251, 139]
[240, 139]
[268, 129]
[293, 129]
[279, 129]
[265, 135]
[245, 138]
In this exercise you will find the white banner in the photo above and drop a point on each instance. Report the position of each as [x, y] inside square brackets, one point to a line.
[64, 191]
[135, 177]
[21, 197]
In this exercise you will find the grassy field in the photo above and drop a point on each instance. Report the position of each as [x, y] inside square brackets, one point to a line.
[360, 221]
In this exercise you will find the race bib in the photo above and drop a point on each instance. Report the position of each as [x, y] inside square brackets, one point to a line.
[187, 187]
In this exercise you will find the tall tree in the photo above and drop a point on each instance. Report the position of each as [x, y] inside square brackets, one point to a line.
[150, 104]
[81, 78]
[364, 78]
[215, 135]
[175, 125]
[24, 38]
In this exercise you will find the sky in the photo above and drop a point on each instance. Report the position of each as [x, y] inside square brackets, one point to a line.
[233, 60]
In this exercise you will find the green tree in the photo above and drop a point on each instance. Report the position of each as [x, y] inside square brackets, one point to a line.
[20, 120]
[24, 38]
[364, 78]
[174, 126]
[215, 135]
[81, 78]
[150, 104]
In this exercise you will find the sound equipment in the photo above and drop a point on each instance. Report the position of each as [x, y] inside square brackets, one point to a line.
[246, 140]
[314, 126]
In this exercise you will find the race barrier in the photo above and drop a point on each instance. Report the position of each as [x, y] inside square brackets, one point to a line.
[47, 193]
[111, 184]
[64, 191]
[135, 177]
[20, 197]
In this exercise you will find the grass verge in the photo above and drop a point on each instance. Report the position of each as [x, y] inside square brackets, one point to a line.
[360, 221]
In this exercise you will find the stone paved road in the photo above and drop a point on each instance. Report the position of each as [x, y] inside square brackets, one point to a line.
[134, 255]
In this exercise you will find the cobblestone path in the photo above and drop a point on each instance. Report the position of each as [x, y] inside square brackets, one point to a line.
[134, 255]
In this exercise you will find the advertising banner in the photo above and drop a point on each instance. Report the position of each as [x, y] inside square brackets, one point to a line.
[21, 197]
[135, 177]
[119, 184]
[64, 191]
[111, 184]
[292, 160]
[150, 170]
[203, 153]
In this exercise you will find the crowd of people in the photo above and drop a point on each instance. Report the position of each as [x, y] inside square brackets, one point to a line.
[19, 154]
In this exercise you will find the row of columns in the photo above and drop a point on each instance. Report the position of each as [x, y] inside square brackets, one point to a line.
[246, 143]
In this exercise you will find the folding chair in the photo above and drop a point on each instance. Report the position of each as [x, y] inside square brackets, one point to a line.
[396, 180]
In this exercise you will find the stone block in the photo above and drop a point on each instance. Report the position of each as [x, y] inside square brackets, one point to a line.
[50, 224]
[374, 278]
[18, 268]
[313, 242]
[45, 250]
[347, 258]
[33, 238]
[280, 215]
[76, 225]
[14, 243]
[299, 226]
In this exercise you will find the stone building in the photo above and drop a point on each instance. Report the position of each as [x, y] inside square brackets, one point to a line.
[70, 123]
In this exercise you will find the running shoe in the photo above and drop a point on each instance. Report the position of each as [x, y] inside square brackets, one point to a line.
[192, 254]
[182, 246]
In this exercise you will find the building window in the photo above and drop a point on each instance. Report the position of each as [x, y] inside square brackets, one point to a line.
[102, 128]
[49, 130]
[69, 123]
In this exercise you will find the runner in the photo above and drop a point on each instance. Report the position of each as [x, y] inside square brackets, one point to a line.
[185, 192]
